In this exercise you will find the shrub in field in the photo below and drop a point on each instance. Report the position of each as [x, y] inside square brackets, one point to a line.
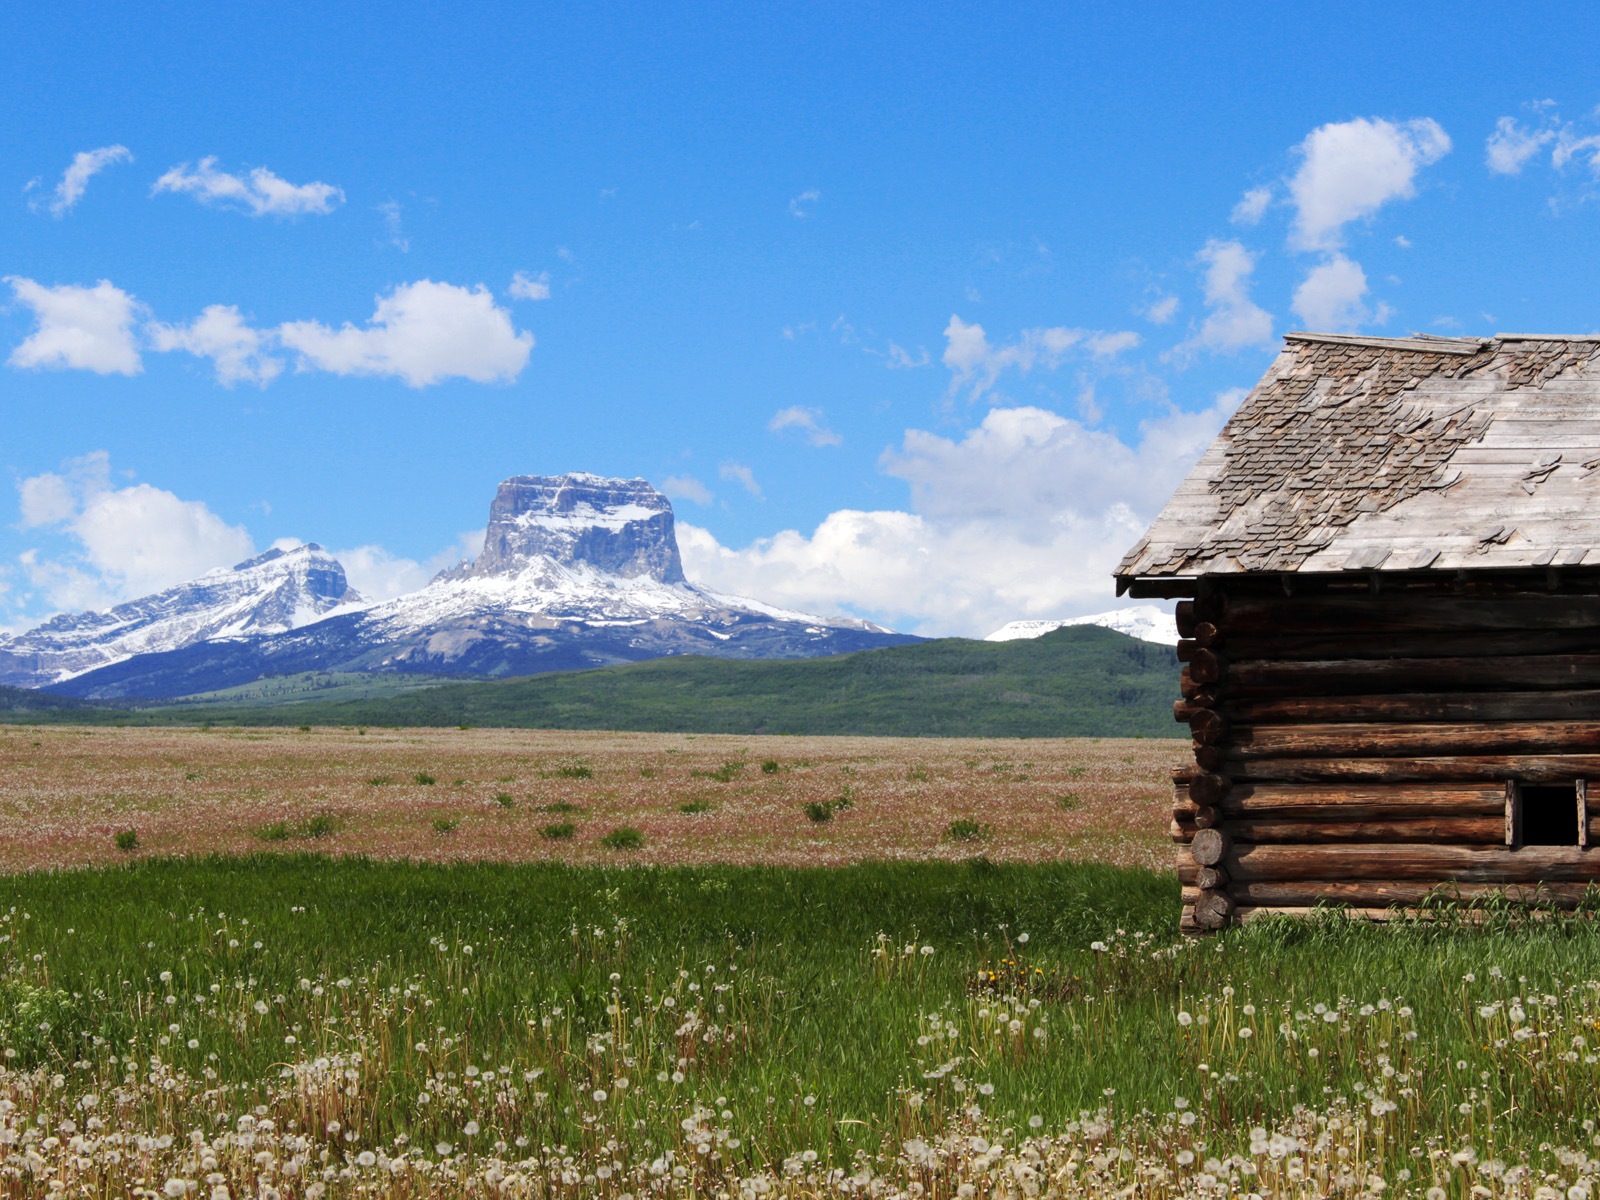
[623, 837]
[445, 824]
[127, 839]
[647, 772]
[967, 830]
[769, 766]
[424, 779]
[557, 833]
[695, 806]
[846, 798]
[726, 773]
[505, 799]
[1068, 801]
[575, 771]
[561, 806]
[819, 811]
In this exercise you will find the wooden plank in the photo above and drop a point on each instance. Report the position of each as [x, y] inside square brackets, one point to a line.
[1362, 802]
[1435, 864]
[1531, 768]
[1400, 612]
[1381, 893]
[1389, 740]
[1432, 830]
[1364, 644]
[1543, 672]
[1419, 706]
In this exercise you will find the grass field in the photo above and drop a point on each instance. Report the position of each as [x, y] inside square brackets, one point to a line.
[314, 1026]
[293, 1024]
[66, 793]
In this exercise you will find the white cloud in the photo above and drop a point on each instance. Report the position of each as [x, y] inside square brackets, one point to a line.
[686, 487]
[808, 421]
[260, 193]
[85, 165]
[1331, 298]
[81, 328]
[1252, 206]
[129, 541]
[1161, 310]
[1024, 516]
[898, 358]
[976, 364]
[390, 211]
[1350, 169]
[526, 287]
[742, 475]
[1233, 321]
[1512, 144]
[381, 575]
[219, 333]
[803, 204]
[421, 332]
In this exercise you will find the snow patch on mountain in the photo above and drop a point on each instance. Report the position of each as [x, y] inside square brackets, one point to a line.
[1143, 621]
[274, 592]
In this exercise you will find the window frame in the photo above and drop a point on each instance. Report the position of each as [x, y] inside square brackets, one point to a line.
[1514, 821]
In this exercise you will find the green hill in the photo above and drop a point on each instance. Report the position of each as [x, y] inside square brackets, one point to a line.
[1082, 681]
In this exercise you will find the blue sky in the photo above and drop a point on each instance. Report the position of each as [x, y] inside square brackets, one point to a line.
[918, 312]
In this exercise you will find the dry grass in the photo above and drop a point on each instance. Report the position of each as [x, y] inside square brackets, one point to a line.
[66, 792]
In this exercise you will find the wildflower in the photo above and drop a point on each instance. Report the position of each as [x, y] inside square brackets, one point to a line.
[470, 1129]
[176, 1187]
[1035, 1121]
[1185, 1019]
[366, 1158]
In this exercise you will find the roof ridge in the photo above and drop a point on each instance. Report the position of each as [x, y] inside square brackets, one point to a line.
[1428, 342]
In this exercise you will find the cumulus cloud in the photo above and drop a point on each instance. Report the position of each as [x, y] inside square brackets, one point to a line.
[530, 287]
[422, 333]
[1024, 516]
[686, 487]
[85, 165]
[78, 328]
[238, 352]
[1233, 321]
[1332, 297]
[1350, 169]
[808, 422]
[379, 574]
[742, 475]
[260, 193]
[976, 364]
[804, 204]
[1252, 206]
[128, 540]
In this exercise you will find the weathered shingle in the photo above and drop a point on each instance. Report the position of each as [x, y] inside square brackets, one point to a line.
[1378, 453]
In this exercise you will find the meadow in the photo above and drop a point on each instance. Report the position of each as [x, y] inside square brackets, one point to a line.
[296, 1023]
[449, 795]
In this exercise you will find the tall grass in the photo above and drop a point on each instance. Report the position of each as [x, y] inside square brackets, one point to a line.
[886, 1018]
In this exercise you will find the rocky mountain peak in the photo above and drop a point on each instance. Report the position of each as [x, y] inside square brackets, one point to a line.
[621, 527]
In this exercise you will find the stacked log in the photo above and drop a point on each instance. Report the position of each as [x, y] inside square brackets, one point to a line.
[1364, 748]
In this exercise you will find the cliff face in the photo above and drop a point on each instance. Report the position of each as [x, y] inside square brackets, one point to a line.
[620, 527]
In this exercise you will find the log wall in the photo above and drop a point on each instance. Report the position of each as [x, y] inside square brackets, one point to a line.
[1365, 747]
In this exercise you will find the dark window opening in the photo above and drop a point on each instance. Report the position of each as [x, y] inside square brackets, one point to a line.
[1550, 815]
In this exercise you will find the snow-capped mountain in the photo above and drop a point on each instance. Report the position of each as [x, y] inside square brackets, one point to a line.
[576, 571]
[271, 593]
[1143, 621]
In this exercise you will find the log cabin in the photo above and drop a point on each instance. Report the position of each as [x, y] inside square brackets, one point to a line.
[1387, 569]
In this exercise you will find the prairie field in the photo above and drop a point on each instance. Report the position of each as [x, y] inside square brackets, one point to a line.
[282, 1000]
[535, 796]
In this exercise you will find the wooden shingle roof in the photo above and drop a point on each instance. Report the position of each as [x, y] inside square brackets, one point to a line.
[1395, 454]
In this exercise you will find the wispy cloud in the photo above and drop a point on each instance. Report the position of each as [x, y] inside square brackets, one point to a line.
[977, 364]
[742, 475]
[530, 287]
[393, 229]
[85, 165]
[1233, 320]
[804, 204]
[260, 193]
[806, 421]
[686, 487]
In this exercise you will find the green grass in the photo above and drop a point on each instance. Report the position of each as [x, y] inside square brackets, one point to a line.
[898, 996]
[1082, 681]
[623, 837]
[560, 831]
[320, 826]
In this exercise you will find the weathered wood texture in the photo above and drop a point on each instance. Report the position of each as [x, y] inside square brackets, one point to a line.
[1358, 747]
